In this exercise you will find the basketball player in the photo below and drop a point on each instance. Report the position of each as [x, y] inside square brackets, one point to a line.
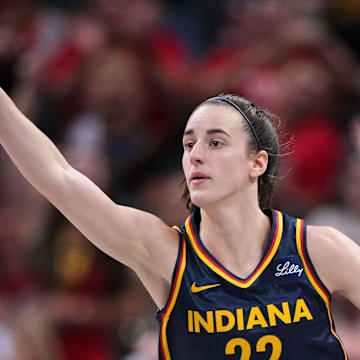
[236, 280]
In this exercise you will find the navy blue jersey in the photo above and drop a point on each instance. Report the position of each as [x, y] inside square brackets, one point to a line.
[281, 311]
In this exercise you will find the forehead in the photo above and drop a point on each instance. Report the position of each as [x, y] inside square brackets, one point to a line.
[217, 116]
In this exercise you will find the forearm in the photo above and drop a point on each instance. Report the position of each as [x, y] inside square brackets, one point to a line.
[33, 153]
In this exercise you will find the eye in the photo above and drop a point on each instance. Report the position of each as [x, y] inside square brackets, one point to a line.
[189, 145]
[216, 143]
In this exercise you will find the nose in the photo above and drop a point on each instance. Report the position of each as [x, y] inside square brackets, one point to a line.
[197, 154]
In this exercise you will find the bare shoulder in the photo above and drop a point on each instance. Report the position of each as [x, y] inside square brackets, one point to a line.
[325, 240]
[336, 259]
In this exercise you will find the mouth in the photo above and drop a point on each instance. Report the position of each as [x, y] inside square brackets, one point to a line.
[198, 178]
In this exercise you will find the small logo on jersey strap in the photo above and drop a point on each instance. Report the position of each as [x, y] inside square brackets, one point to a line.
[288, 269]
[196, 289]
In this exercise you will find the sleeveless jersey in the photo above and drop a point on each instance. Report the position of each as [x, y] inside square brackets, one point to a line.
[280, 311]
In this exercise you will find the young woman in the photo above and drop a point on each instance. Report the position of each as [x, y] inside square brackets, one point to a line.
[236, 281]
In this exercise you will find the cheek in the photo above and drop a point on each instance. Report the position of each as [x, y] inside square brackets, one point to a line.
[230, 163]
[235, 169]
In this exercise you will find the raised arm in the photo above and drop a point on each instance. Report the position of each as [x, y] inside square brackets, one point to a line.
[135, 238]
[337, 260]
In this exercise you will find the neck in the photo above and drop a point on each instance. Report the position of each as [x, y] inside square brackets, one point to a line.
[236, 236]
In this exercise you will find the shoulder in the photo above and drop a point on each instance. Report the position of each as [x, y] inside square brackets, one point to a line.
[324, 236]
[327, 241]
[334, 256]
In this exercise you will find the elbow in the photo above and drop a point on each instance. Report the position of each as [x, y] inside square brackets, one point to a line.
[55, 184]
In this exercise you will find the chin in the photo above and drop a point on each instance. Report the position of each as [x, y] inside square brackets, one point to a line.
[202, 201]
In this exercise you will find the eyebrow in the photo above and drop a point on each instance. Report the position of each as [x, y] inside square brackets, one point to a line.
[209, 132]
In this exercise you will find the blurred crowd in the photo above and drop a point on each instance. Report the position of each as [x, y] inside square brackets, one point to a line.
[112, 83]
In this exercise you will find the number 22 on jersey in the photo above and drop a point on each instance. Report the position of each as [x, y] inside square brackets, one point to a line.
[260, 347]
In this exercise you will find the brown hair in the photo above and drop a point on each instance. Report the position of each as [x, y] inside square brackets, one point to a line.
[265, 128]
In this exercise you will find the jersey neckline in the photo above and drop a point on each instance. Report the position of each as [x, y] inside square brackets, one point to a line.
[192, 231]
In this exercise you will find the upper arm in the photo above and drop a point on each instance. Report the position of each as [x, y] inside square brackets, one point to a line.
[336, 259]
[136, 238]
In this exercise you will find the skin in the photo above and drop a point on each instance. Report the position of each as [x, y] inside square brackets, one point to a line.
[228, 201]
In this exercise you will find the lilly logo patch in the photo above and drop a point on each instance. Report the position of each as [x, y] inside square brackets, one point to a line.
[288, 268]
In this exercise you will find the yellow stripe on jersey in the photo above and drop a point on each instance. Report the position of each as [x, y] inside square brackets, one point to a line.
[314, 282]
[226, 275]
[177, 228]
[172, 301]
[309, 274]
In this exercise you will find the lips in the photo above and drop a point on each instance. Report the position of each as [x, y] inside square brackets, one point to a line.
[198, 177]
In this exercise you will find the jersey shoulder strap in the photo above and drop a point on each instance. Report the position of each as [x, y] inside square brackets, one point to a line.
[177, 276]
[310, 270]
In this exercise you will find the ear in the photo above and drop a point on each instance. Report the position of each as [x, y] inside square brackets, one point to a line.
[259, 164]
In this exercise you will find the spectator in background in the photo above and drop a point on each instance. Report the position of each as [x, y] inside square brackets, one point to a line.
[25, 332]
[344, 214]
[20, 281]
[318, 149]
[17, 29]
[90, 296]
[118, 122]
[134, 27]
[26, 336]
[139, 25]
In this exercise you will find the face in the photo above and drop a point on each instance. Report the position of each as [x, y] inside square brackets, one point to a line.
[216, 162]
